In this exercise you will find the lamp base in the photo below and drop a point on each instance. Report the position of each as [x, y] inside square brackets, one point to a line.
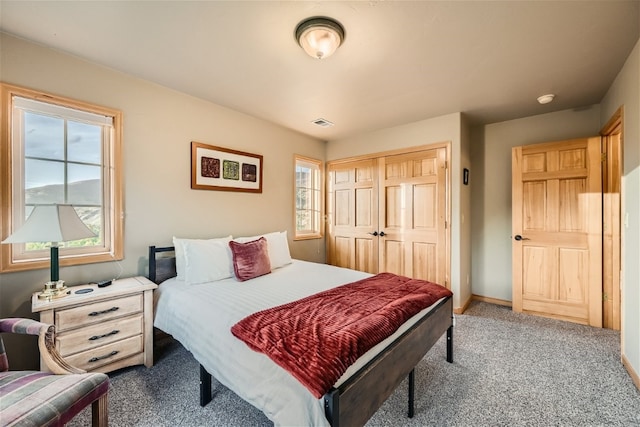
[54, 290]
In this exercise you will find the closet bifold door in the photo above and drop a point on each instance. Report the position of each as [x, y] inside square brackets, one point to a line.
[412, 215]
[352, 210]
[389, 213]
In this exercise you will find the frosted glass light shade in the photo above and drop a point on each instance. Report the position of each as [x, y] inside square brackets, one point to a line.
[51, 223]
[319, 37]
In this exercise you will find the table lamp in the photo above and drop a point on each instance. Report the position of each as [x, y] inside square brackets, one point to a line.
[52, 223]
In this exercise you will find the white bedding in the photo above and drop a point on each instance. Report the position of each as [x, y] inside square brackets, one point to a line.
[200, 317]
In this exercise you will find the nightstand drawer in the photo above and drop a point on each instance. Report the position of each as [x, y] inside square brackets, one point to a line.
[92, 359]
[97, 335]
[97, 312]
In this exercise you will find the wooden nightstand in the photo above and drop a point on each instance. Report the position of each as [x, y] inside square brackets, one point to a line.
[105, 329]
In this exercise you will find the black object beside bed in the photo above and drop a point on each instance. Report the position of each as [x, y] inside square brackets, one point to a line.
[359, 397]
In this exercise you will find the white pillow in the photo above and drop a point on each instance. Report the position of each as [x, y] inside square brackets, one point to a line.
[278, 247]
[207, 260]
[178, 244]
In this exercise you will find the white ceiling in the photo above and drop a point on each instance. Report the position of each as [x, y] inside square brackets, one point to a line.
[401, 61]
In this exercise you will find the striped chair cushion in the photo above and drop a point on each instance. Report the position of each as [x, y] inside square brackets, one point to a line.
[33, 398]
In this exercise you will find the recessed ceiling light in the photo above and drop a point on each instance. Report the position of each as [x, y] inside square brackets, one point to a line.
[545, 99]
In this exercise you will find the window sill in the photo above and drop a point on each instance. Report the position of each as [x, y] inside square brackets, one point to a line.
[308, 237]
[8, 266]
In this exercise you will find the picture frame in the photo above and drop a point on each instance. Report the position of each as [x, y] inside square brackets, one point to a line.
[223, 169]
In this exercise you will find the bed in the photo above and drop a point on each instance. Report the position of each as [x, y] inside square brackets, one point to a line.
[201, 315]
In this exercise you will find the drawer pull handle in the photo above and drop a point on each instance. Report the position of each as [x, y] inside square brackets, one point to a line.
[97, 313]
[95, 359]
[97, 337]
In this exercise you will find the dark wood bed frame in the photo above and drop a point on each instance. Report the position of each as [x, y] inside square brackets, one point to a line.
[358, 398]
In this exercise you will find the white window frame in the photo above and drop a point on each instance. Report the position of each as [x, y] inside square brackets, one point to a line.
[317, 206]
[13, 257]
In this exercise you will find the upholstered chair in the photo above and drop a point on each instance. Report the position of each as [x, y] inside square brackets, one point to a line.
[37, 398]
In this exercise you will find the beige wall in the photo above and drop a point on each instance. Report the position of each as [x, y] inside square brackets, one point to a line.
[159, 125]
[625, 91]
[451, 128]
[491, 185]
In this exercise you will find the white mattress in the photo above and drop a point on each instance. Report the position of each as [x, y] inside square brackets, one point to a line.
[201, 316]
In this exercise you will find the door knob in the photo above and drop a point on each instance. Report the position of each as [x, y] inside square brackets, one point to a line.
[381, 233]
[519, 237]
[375, 233]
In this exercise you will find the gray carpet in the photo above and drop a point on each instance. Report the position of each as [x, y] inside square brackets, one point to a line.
[509, 370]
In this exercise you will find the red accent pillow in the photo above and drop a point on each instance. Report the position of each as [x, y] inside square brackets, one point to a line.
[250, 259]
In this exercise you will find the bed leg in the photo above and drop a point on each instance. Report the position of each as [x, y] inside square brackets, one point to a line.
[205, 386]
[412, 382]
[450, 344]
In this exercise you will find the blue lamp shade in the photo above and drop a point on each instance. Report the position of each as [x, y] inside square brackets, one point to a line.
[51, 223]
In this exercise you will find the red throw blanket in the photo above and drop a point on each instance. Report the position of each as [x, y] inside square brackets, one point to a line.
[317, 338]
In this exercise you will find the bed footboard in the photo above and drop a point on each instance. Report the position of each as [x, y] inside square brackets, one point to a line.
[355, 401]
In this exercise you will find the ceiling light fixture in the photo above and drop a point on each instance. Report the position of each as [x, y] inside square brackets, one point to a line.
[319, 36]
[545, 99]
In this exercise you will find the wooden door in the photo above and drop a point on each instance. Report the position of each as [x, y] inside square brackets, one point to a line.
[557, 230]
[352, 215]
[412, 215]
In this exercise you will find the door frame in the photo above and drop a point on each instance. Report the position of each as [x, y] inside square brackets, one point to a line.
[611, 254]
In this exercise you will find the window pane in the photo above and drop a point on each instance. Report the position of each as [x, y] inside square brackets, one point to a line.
[303, 201]
[44, 181]
[84, 143]
[43, 136]
[85, 186]
[303, 221]
[303, 177]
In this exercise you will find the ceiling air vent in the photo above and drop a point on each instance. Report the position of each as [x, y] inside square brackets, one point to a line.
[322, 122]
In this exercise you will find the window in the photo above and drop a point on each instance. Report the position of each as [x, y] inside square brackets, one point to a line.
[308, 193]
[58, 150]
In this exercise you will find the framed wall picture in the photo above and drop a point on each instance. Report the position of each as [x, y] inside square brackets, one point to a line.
[223, 169]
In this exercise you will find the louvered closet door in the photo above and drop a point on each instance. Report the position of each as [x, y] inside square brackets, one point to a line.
[412, 215]
[352, 201]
